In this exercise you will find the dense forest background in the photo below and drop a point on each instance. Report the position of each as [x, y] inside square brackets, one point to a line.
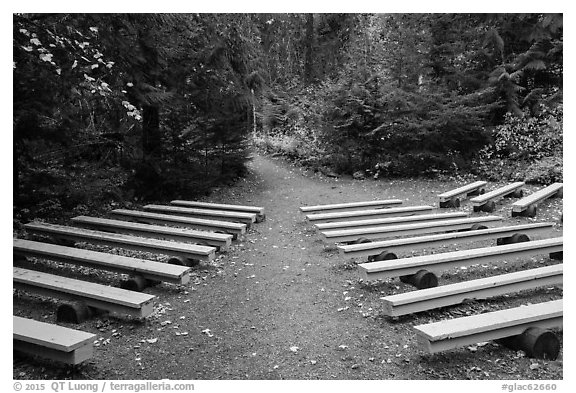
[116, 109]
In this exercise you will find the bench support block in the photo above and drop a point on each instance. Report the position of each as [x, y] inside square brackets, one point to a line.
[422, 279]
[529, 212]
[536, 342]
[136, 283]
[559, 256]
[515, 238]
[76, 312]
[383, 256]
[453, 202]
[181, 261]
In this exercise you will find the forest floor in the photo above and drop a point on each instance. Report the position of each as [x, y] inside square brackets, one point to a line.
[281, 304]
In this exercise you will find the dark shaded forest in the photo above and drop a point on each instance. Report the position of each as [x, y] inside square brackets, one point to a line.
[115, 109]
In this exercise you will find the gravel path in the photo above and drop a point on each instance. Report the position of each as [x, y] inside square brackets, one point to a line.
[281, 305]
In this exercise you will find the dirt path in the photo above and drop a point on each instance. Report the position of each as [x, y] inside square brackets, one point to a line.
[273, 310]
[272, 304]
[279, 305]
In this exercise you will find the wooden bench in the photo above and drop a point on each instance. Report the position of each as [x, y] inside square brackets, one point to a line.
[452, 198]
[487, 202]
[527, 206]
[351, 206]
[94, 295]
[375, 222]
[368, 214]
[245, 218]
[50, 341]
[483, 288]
[390, 248]
[234, 228]
[183, 250]
[149, 270]
[453, 333]
[406, 267]
[219, 240]
[374, 233]
[259, 211]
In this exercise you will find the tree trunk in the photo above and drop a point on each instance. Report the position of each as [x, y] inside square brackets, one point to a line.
[309, 61]
[151, 141]
[15, 175]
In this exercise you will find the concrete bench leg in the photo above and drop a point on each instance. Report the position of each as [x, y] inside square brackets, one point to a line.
[421, 279]
[515, 238]
[138, 283]
[474, 227]
[361, 240]
[529, 212]
[489, 207]
[557, 255]
[453, 202]
[181, 261]
[536, 342]
[516, 194]
[383, 256]
[76, 312]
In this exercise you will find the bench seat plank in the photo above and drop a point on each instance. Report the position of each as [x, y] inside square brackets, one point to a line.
[234, 228]
[388, 221]
[368, 214]
[494, 194]
[445, 196]
[420, 242]
[536, 197]
[382, 232]
[456, 332]
[220, 240]
[52, 341]
[186, 250]
[447, 295]
[351, 206]
[151, 270]
[96, 295]
[245, 218]
[438, 262]
[218, 206]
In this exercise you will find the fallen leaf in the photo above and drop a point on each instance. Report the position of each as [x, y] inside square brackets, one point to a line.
[151, 340]
[294, 349]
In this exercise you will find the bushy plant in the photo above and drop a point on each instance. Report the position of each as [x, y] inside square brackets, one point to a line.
[528, 137]
[526, 148]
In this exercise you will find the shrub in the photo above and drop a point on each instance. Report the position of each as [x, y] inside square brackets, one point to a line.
[527, 148]
[545, 171]
[529, 137]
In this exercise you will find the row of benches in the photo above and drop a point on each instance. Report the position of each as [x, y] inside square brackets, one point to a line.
[483, 201]
[383, 262]
[187, 243]
[486, 201]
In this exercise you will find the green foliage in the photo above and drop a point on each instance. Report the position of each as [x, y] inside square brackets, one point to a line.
[165, 100]
[168, 100]
[528, 148]
[547, 170]
[529, 137]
